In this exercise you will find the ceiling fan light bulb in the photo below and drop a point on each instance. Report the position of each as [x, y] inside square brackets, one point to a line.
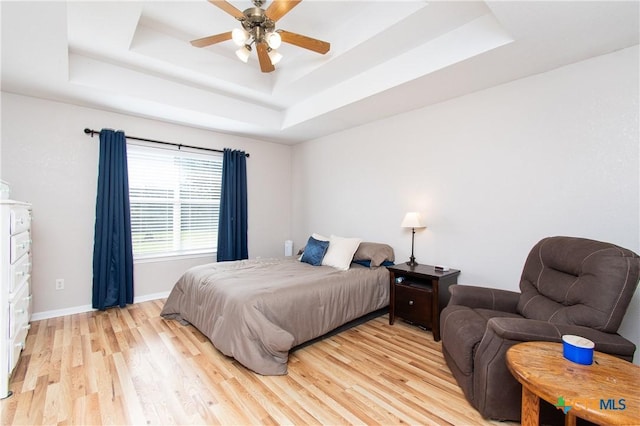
[243, 53]
[274, 40]
[239, 36]
[274, 56]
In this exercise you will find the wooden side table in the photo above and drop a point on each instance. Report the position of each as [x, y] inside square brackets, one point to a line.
[419, 293]
[605, 392]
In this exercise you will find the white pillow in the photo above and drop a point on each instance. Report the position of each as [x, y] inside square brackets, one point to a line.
[319, 237]
[340, 252]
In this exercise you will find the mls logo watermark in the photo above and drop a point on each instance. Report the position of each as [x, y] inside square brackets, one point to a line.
[612, 404]
[593, 404]
[562, 406]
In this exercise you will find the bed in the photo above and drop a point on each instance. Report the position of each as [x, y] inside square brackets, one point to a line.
[257, 310]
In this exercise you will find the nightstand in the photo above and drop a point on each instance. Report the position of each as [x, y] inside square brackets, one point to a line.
[419, 293]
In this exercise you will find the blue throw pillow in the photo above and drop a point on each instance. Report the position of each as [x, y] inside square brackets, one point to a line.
[367, 263]
[314, 251]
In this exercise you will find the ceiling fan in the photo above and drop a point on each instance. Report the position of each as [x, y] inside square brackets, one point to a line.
[259, 29]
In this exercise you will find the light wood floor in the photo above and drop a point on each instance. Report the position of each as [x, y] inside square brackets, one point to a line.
[130, 366]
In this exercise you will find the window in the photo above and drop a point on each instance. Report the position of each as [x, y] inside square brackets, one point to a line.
[175, 199]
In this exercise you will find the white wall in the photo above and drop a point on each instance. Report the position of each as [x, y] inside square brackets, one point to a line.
[50, 162]
[492, 173]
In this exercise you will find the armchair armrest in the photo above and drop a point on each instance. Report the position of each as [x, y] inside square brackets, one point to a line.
[484, 297]
[525, 330]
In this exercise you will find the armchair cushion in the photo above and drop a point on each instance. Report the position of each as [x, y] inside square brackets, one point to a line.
[576, 281]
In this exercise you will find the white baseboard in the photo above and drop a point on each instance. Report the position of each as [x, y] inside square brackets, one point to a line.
[152, 296]
[37, 316]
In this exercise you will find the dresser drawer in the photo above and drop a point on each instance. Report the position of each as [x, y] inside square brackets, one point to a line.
[19, 273]
[414, 304]
[20, 245]
[16, 345]
[19, 311]
[20, 220]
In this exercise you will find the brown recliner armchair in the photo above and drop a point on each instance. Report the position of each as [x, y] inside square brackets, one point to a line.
[568, 286]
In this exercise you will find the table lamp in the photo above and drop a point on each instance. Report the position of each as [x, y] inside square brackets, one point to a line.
[412, 220]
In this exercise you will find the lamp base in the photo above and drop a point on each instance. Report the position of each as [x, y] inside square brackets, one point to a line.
[412, 259]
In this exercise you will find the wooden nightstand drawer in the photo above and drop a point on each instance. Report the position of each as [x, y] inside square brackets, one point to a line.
[414, 304]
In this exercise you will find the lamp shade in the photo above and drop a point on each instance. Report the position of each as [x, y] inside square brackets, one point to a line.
[274, 56]
[274, 40]
[243, 53]
[239, 36]
[412, 220]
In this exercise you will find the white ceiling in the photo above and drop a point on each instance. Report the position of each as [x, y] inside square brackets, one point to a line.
[386, 57]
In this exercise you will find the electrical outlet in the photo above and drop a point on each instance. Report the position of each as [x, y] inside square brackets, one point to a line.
[59, 284]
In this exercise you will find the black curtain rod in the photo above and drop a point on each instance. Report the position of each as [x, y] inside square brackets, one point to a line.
[96, 132]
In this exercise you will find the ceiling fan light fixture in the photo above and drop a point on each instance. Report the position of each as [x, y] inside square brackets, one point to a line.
[239, 36]
[274, 40]
[258, 28]
[243, 53]
[274, 56]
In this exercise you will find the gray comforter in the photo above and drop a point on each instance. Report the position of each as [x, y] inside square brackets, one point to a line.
[257, 310]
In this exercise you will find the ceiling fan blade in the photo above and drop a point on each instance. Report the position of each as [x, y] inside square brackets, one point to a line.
[305, 42]
[213, 39]
[278, 8]
[263, 57]
[228, 7]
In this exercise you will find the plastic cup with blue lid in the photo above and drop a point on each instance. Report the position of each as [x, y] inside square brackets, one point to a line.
[577, 349]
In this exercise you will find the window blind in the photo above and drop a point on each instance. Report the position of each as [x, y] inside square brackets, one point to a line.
[175, 200]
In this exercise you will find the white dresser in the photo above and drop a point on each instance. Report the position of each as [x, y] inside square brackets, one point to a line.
[15, 291]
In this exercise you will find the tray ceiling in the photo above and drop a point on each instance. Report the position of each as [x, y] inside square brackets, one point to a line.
[386, 57]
